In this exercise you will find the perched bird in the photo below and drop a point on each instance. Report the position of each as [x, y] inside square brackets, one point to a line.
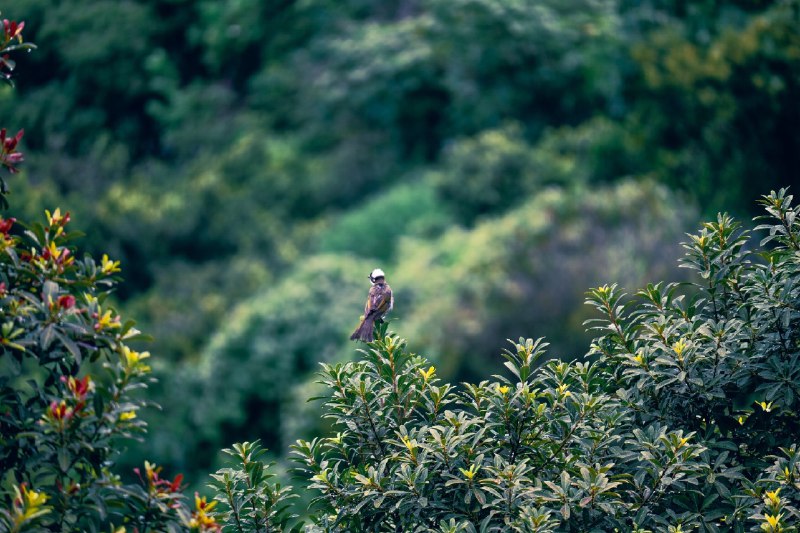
[379, 302]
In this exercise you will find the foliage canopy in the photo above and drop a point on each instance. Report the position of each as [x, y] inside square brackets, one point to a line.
[685, 418]
[443, 113]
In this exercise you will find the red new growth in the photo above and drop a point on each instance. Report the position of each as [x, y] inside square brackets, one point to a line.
[9, 157]
[12, 30]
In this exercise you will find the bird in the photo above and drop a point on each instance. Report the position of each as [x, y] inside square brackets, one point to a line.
[379, 302]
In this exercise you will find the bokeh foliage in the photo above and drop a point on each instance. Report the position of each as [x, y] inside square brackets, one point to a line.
[516, 273]
[281, 118]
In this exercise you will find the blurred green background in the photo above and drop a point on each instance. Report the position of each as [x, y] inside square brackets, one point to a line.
[251, 161]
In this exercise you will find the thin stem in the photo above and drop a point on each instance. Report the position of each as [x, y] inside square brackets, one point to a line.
[236, 517]
[372, 424]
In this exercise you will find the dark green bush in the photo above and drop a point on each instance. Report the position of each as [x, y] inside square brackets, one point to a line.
[249, 502]
[256, 367]
[498, 169]
[726, 70]
[376, 229]
[68, 378]
[486, 174]
[685, 419]
[526, 271]
[68, 381]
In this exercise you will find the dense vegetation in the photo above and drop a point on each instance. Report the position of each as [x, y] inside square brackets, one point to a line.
[249, 162]
[213, 145]
[686, 419]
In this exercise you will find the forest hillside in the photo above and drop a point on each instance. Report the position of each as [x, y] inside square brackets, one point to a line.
[249, 162]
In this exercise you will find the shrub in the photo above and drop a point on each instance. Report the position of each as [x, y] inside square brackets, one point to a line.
[723, 364]
[271, 343]
[684, 418]
[526, 271]
[249, 502]
[68, 376]
[375, 229]
[487, 173]
[518, 454]
[499, 168]
[67, 382]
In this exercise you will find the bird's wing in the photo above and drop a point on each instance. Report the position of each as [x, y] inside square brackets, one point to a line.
[389, 300]
[380, 297]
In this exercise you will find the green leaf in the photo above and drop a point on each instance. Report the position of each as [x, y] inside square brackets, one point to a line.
[46, 336]
[71, 347]
[63, 460]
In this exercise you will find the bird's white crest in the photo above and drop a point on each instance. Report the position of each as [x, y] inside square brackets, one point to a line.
[377, 273]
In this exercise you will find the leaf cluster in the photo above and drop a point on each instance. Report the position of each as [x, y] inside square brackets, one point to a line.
[68, 383]
[684, 418]
[522, 454]
[248, 501]
[68, 380]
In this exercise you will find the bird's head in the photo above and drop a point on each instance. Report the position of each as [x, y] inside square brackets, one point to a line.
[376, 275]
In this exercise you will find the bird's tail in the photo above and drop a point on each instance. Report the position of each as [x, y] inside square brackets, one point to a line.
[364, 331]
